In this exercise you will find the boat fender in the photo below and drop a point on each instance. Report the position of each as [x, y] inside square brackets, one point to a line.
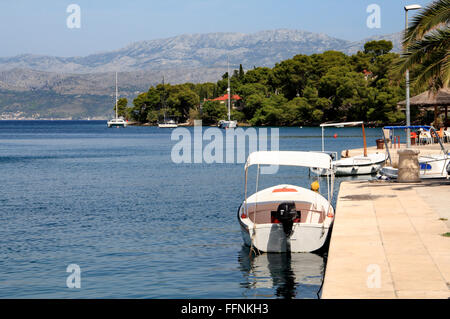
[315, 186]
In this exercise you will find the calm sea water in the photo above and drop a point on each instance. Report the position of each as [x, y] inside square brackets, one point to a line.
[138, 225]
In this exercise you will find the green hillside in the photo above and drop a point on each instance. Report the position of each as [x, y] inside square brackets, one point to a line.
[49, 104]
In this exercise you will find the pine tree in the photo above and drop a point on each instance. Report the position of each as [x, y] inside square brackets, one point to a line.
[241, 72]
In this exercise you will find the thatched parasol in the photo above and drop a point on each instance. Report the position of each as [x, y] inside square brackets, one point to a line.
[437, 99]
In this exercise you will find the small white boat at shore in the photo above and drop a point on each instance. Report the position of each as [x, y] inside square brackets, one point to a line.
[168, 124]
[356, 165]
[286, 218]
[226, 124]
[364, 164]
[117, 121]
[431, 166]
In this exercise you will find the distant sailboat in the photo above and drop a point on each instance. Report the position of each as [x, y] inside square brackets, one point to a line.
[167, 123]
[228, 124]
[117, 121]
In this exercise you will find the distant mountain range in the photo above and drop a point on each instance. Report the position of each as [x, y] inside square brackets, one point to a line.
[184, 58]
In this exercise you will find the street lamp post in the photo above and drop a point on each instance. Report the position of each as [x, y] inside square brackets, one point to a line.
[408, 114]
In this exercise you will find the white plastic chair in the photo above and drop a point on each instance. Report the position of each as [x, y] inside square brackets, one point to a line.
[425, 137]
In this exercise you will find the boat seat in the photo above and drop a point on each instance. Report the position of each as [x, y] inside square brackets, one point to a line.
[264, 210]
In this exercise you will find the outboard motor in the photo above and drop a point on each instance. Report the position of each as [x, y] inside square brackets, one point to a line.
[286, 214]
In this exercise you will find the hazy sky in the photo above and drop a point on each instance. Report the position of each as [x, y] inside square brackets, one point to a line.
[39, 27]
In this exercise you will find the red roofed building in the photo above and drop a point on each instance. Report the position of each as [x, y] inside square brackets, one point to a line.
[367, 74]
[235, 100]
[225, 98]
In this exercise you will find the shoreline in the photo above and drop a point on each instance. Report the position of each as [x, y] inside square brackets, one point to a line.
[131, 123]
[186, 124]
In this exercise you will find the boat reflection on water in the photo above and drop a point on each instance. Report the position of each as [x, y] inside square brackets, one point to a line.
[281, 275]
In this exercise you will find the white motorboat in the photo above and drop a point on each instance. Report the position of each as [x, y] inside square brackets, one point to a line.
[431, 166]
[168, 124]
[356, 165]
[117, 121]
[225, 124]
[286, 218]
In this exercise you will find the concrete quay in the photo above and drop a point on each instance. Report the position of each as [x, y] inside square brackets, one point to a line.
[387, 241]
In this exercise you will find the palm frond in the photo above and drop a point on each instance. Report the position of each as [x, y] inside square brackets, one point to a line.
[432, 53]
[431, 77]
[416, 52]
[435, 15]
[446, 69]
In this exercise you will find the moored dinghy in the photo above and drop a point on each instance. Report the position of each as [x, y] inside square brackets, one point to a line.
[287, 218]
[430, 166]
[364, 164]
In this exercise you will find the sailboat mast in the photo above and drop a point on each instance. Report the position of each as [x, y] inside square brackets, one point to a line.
[117, 100]
[229, 91]
[164, 99]
[364, 139]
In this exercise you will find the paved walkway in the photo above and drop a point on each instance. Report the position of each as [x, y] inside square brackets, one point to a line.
[437, 197]
[387, 241]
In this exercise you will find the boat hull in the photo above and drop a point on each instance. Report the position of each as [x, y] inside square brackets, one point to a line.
[261, 229]
[270, 238]
[359, 169]
[354, 166]
[114, 124]
[431, 167]
[228, 124]
[167, 125]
